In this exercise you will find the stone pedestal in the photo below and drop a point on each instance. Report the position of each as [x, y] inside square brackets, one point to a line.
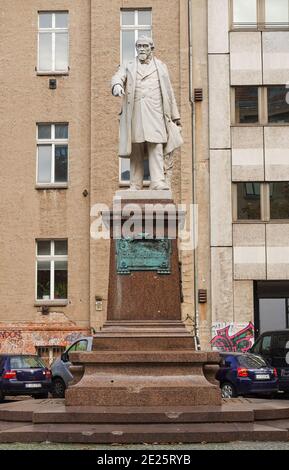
[144, 356]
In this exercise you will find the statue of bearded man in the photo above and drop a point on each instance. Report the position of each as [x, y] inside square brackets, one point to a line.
[150, 124]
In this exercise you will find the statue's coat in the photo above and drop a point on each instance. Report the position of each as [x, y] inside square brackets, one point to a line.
[126, 76]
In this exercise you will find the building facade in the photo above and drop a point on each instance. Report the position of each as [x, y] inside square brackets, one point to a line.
[249, 172]
[228, 62]
[60, 124]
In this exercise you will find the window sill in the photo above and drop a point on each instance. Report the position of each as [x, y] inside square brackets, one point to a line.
[248, 124]
[267, 124]
[49, 74]
[235, 29]
[276, 124]
[51, 303]
[278, 221]
[52, 186]
[267, 222]
[249, 221]
[126, 184]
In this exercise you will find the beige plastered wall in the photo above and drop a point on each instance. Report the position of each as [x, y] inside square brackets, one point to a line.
[27, 213]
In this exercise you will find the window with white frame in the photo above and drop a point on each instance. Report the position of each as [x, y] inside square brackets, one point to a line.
[134, 23]
[52, 153]
[51, 270]
[260, 14]
[53, 41]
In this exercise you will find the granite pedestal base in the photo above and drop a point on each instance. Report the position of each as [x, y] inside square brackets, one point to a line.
[144, 356]
[153, 364]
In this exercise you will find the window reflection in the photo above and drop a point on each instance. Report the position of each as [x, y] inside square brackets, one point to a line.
[279, 200]
[245, 13]
[60, 280]
[276, 12]
[246, 104]
[61, 164]
[248, 203]
[278, 108]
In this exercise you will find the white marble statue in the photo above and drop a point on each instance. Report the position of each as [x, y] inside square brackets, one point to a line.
[150, 124]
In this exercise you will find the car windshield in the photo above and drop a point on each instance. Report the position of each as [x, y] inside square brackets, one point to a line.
[251, 361]
[26, 362]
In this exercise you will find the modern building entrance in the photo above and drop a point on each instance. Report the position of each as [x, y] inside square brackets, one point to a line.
[271, 305]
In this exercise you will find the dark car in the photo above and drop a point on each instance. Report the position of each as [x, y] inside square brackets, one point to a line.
[273, 346]
[246, 374]
[23, 375]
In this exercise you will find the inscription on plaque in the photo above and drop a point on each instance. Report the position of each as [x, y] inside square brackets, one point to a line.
[141, 254]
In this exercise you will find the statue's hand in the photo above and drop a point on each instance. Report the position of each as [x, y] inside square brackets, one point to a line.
[178, 122]
[118, 90]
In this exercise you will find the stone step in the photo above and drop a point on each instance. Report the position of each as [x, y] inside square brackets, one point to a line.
[144, 341]
[231, 421]
[20, 410]
[270, 413]
[142, 332]
[231, 410]
[280, 424]
[264, 408]
[149, 324]
[140, 356]
[141, 433]
[98, 414]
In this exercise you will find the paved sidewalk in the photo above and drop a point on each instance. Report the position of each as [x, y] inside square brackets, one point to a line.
[178, 447]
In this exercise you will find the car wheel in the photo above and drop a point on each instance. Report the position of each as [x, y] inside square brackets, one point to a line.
[228, 390]
[2, 397]
[58, 388]
[40, 395]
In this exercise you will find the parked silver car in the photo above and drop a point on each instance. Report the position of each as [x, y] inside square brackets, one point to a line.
[62, 369]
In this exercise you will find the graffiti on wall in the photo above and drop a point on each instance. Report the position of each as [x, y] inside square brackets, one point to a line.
[232, 337]
[27, 340]
[10, 339]
[16, 335]
[72, 337]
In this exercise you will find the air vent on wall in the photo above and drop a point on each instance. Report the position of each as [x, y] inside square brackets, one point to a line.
[198, 94]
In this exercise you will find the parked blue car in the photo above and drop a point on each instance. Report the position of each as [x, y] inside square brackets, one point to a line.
[246, 374]
[23, 375]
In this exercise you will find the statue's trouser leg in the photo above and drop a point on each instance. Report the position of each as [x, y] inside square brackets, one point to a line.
[156, 163]
[136, 166]
[168, 168]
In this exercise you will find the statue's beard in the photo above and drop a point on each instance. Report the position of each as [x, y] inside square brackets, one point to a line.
[143, 57]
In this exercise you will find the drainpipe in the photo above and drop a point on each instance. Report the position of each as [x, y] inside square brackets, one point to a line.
[196, 311]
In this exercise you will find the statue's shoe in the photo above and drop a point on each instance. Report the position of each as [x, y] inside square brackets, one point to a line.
[160, 186]
[134, 188]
